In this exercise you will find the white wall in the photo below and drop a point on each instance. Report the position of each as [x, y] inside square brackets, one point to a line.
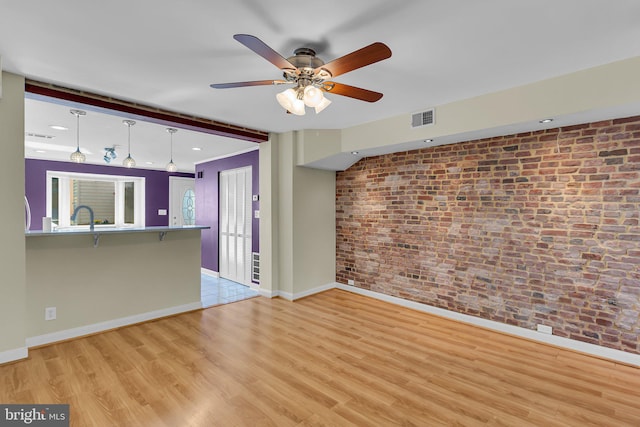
[314, 225]
[12, 220]
[297, 226]
[269, 217]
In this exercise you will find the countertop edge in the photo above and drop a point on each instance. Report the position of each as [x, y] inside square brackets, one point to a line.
[158, 229]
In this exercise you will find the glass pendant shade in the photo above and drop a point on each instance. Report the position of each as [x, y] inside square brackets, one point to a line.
[129, 162]
[171, 167]
[77, 156]
[290, 102]
[298, 107]
[312, 96]
[322, 105]
[286, 98]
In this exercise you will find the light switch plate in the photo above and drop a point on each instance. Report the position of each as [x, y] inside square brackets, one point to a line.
[162, 212]
[256, 214]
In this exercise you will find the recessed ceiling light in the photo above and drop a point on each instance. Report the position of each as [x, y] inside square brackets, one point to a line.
[58, 127]
[149, 163]
[196, 149]
[546, 120]
[428, 140]
[355, 153]
[40, 151]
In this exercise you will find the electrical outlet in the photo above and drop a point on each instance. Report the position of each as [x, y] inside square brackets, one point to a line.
[50, 313]
[545, 329]
[351, 282]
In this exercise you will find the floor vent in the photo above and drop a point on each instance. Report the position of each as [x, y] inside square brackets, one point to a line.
[255, 267]
[423, 118]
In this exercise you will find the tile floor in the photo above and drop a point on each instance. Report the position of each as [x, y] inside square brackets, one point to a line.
[216, 291]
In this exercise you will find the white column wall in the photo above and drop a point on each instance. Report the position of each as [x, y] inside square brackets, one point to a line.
[297, 225]
[12, 221]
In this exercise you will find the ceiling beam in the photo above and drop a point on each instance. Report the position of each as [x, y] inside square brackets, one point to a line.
[105, 104]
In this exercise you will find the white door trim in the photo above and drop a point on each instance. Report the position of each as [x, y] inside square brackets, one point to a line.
[177, 183]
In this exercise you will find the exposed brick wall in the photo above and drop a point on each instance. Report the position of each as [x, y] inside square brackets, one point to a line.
[540, 227]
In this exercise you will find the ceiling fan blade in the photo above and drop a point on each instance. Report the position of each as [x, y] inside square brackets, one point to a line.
[362, 57]
[351, 91]
[252, 83]
[261, 48]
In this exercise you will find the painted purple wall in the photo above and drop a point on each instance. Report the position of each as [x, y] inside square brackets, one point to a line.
[207, 203]
[156, 187]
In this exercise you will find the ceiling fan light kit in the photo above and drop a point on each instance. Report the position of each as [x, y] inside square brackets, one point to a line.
[310, 75]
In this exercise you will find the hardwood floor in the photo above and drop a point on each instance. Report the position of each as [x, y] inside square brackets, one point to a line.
[334, 358]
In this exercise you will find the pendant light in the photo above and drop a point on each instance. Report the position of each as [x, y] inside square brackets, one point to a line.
[77, 156]
[171, 167]
[129, 162]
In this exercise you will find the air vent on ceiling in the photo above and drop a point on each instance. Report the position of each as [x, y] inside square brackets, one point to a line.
[423, 118]
[39, 135]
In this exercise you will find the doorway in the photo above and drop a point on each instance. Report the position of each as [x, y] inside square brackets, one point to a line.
[234, 235]
[182, 201]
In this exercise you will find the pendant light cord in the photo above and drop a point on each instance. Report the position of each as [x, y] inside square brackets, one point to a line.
[78, 131]
[171, 139]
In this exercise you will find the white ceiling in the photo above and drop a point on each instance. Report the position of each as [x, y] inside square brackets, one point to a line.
[150, 142]
[165, 54]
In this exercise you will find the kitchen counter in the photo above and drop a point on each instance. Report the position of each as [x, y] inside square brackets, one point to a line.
[105, 230]
[97, 232]
[133, 275]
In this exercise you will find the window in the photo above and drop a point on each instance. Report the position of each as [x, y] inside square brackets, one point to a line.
[116, 201]
[189, 207]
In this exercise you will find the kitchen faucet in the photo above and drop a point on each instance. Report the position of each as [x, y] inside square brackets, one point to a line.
[75, 212]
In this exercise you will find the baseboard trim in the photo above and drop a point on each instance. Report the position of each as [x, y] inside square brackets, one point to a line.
[566, 343]
[210, 272]
[267, 292]
[313, 291]
[13, 355]
[110, 324]
[286, 295]
[292, 297]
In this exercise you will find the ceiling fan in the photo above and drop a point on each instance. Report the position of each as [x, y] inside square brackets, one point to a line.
[311, 75]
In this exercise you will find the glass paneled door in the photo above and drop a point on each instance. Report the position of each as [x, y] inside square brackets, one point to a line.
[182, 204]
[235, 225]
